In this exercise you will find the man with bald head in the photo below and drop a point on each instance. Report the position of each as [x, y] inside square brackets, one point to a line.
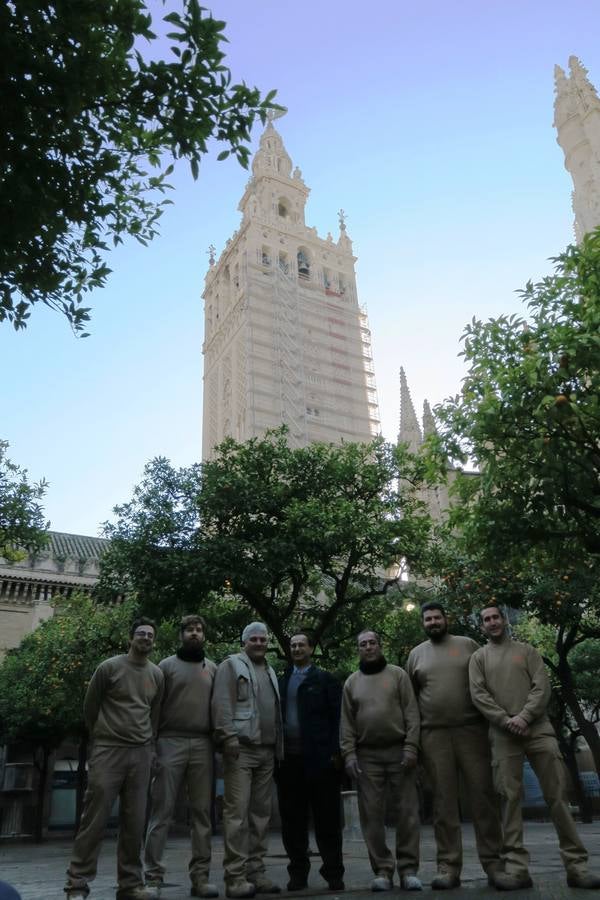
[248, 731]
[379, 740]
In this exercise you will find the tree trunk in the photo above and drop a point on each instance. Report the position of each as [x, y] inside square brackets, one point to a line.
[588, 729]
[81, 780]
[584, 802]
[42, 767]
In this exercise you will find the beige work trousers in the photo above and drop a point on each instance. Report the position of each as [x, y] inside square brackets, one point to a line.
[248, 785]
[543, 753]
[122, 772]
[384, 781]
[464, 749]
[181, 760]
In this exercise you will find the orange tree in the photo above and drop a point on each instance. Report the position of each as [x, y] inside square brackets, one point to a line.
[526, 531]
[294, 536]
[43, 680]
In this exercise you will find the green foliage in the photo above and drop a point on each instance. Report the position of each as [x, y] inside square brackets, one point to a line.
[90, 124]
[22, 524]
[529, 413]
[525, 531]
[300, 536]
[153, 549]
[43, 681]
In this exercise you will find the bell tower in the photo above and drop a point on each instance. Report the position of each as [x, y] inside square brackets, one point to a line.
[285, 339]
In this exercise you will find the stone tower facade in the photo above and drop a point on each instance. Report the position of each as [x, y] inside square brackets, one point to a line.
[285, 338]
[577, 122]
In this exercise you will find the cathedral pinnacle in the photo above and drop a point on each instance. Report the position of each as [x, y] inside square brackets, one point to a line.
[428, 420]
[410, 432]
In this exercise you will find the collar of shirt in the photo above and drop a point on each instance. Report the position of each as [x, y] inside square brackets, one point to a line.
[303, 671]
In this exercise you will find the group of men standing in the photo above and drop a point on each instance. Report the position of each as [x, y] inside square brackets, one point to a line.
[303, 730]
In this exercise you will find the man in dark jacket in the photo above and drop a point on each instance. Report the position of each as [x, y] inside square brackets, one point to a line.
[308, 778]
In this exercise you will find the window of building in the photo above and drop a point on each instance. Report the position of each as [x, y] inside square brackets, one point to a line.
[303, 263]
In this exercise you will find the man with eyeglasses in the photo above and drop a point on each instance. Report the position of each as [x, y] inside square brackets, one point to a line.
[379, 740]
[121, 709]
[184, 754]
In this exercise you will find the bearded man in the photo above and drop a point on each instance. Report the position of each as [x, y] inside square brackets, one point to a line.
[454, 740]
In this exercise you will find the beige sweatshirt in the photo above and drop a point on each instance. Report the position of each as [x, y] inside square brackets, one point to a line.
[378, 710]
[439, 672]
[509, 679]
[122, 702]
[185, 709]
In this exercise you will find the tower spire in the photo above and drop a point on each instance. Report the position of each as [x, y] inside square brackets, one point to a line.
[410, 432]
[577, 122]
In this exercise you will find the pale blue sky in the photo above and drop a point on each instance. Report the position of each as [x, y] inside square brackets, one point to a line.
[430, 124]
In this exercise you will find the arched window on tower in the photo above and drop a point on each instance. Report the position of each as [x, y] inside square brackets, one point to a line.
[265, 256]
[303, 263]
[283, 208]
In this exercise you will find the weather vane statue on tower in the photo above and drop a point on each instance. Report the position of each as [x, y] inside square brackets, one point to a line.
[276, 113]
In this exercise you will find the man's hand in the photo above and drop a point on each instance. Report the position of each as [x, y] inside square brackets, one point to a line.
[517, 725]
[353, 770]
[231, 750]
[409, 759]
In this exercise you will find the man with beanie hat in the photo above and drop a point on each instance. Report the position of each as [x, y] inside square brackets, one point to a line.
[184, 752]
[248, 731]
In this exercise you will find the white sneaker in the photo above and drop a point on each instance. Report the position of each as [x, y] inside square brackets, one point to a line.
[410, 883]
[381, 883]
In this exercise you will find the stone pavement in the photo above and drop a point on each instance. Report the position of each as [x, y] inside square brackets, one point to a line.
[38, 871]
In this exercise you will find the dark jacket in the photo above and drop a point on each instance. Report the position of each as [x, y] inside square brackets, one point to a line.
[319, 701]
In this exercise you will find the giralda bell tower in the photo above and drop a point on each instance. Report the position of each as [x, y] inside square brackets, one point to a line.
[285, 338]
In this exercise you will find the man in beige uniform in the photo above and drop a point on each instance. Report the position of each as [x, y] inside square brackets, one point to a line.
[510, 686]
[248, 731]
[184, 753]
[379, 740]
[454, 738]
[121, 710]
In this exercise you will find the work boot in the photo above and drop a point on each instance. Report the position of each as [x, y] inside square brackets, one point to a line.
[297, 884]
[203, 889]
[381, 883]
[264, 885]
[505, 882]
[410, 882]
[336, 884]
[135, 893]
[492, 870]
[239, 889]
[586, 880]
[445, 880]
[154, 881]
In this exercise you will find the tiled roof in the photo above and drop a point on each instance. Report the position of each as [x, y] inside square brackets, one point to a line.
[76, 546]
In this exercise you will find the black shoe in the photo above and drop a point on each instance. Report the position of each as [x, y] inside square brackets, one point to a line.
[336, 884]
[297, 884]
